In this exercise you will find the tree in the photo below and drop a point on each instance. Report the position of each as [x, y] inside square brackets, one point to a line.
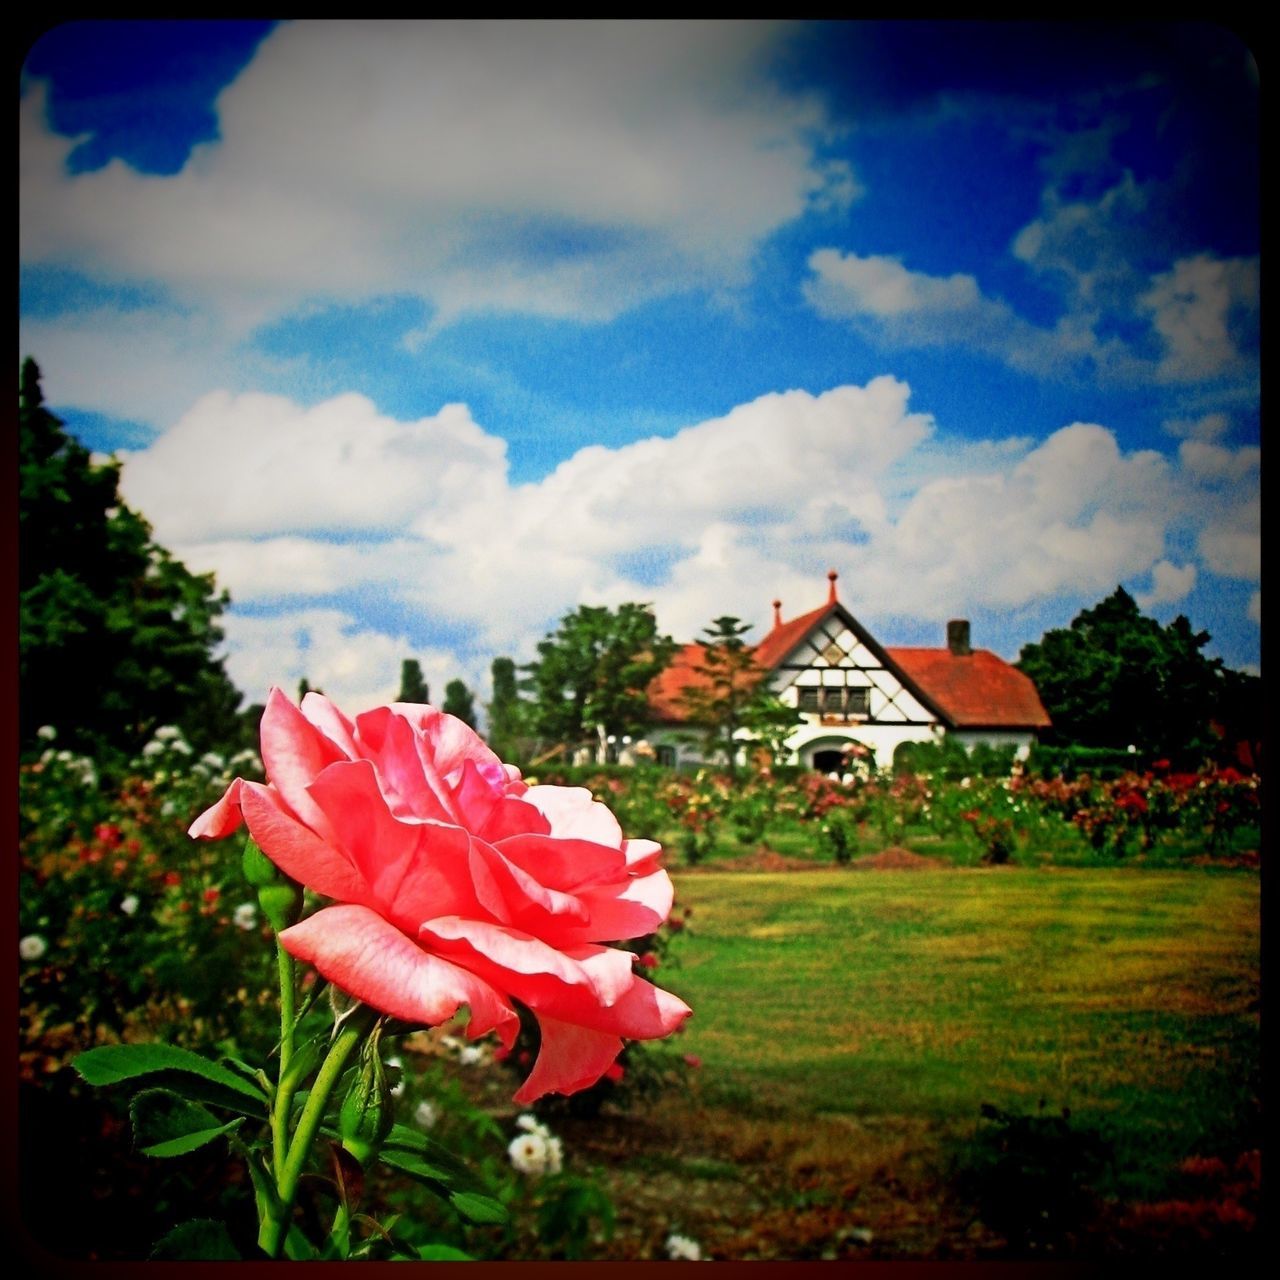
[116, 636]
[1117, 678]
[506, 713]
[413, 688]
[459, 702]
[593, 672]
[729, 694]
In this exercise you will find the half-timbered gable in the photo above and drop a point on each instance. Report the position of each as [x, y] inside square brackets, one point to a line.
[856, 697]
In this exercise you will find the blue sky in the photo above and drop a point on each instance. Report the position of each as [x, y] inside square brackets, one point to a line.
[421, 335]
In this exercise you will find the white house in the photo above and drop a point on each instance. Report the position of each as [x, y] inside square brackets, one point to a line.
[857, 696]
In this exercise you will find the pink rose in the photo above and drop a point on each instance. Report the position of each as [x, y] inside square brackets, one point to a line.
[454, 882]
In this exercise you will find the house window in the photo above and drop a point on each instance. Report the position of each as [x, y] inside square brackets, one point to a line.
[667, 757]
[836, 701]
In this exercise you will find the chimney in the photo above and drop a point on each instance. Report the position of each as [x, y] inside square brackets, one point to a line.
[832, 575]
[958, 637]
[777, 614]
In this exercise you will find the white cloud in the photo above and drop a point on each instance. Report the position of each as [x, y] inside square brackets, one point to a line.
[1255, 607]
[1206, 310]
[878, 286]
[887, 302]
[724, 516]
[258, 464]
[1207, 427]
[1169, 583]
[564, 168]
[355, 665]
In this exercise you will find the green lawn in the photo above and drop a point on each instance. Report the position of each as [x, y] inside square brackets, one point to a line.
[1129, 996]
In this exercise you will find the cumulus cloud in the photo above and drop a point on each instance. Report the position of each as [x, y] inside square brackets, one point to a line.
[1206, 311]
[1169, 584]
[886, 301]
[418, 523]
[259, 464]
[562, 168]
[356, 665]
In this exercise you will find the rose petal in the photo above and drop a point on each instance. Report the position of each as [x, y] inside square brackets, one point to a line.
[330, 721]
[364, 955]
[296, 850]
[414, 870]
[530, 969]
[565, 864]
[294, 751]
[629, 909]
[572, 812]
[222, 818]
[571, 1058]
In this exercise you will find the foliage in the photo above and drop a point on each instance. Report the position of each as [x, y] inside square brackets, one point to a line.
[1030, 1176]
[1116, 677]
[458, 701]
[116, 636]
[413, 688]
[507, 714]
[593, 672]
[729, 694]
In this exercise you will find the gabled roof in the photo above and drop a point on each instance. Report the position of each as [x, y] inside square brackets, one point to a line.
[970, 691]
[784, 637]
[978, 690]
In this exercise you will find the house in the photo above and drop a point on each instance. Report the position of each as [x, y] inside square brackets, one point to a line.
[858, 697]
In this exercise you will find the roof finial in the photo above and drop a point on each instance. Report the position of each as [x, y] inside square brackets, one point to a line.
[777, 613]
[832, 575]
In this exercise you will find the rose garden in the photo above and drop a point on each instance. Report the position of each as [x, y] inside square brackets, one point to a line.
[933, 1015]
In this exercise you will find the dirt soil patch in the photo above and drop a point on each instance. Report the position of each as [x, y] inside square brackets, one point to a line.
[895, 858]
[765, 859]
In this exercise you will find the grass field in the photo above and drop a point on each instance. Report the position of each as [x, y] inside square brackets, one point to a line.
[1128, 996]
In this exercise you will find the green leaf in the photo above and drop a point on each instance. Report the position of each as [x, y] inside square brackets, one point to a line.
[442, 1253]
[109, 1064]
[165, 1124]
[200, 1240]
[297, 1248]
[478, 1208]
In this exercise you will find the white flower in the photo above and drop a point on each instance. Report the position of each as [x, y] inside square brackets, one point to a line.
[32, 947]
[181, 747]
[398, 1089]
[528, 1154]
[65, 756]
[245, 916]
[152, 749]
[167, 733]
[47, 732]
[470, 1055]
[129, 904]
[555, 1155]
[427, 1114]
[530, 1123]
[682, 1249]
[212, 760]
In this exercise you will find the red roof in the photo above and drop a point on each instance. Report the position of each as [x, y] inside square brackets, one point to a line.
[667, 686]
[783, 638]
[978, 690]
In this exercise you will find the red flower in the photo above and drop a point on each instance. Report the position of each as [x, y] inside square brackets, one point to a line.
[648, 960]
[211, 895]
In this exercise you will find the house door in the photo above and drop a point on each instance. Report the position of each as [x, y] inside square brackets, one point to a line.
[832, 762]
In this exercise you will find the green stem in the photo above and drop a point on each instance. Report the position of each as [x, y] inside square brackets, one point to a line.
[353, 1031]
[284, 1093]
